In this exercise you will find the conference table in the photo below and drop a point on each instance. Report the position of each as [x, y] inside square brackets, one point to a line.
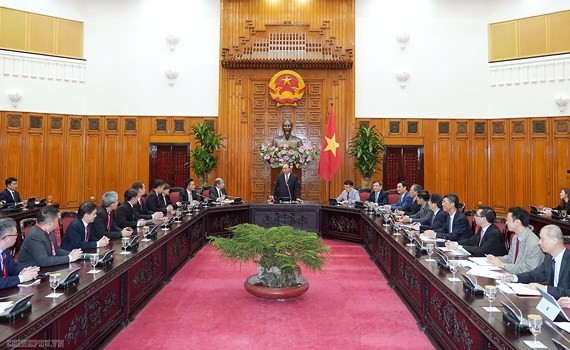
[91, 312]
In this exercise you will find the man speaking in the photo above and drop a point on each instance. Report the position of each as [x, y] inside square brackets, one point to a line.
[286, 186]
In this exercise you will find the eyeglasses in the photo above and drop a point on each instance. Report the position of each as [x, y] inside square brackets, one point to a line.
[478, 216]
[9, 236]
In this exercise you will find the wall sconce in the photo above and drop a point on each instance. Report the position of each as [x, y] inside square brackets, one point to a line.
[403, 40]
[15, 96]
[562, 102]
[403, 78]
[171, 75]
[172, 41]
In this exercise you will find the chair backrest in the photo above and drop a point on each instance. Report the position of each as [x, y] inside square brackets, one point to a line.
[67, 217]
[26, 225]
[364, 194]
[393, 196]
[461, 207]
[470, 214]
[206, 193]
[174, 194]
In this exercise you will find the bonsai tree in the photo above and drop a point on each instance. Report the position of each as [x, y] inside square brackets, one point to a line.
[202, 160]
[278, 251]
[367, 148]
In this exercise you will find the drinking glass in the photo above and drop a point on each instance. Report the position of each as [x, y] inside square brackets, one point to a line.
[453, 267]
[94, 258]
[386, 218]
[164, 224]
[24, 205]
[429, 250]
[535, 325]
[490, 293]
[563, 213]
[146, 230]
[54, 279]
[397, 229]
[125, 244]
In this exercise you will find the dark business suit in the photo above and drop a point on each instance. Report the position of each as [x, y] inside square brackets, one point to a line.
[414, 208]
[141, 211]
[404, 202]
[214, 193]
[493, 242]
[437, 221]
[101, 223]
[155, 202]
[543, 274]
[380, 198]
[126, 216]
[36, 250]
[183, 197]
[280, 189]
[12, 271]
[6, 196]
[460, 229]
[74, 237]
[423, 216]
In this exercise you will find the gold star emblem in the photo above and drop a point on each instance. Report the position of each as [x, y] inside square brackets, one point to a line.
[332, 145]
[286, 80]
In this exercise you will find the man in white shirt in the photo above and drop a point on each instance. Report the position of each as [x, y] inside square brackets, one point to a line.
[349, 195]
[10, 195]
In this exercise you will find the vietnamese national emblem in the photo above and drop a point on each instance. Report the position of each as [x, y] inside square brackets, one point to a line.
[286, 88]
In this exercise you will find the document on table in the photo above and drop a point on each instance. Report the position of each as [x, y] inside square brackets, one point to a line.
[480, 261]
[485, 273]
[523, 289]
[428, 239]
[505, 288]
[564, 325]
[4, 305]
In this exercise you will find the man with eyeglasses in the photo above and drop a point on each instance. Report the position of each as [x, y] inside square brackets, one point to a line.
[457, 226]
[487, 240]
[12, 274]
[349, 195]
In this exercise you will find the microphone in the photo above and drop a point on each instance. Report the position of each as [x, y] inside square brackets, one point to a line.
[513, 319]
[471, 285]
[288, 190]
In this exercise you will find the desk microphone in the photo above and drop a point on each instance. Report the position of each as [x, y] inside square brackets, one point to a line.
[471, 285]
[288, 190]
[514, 319]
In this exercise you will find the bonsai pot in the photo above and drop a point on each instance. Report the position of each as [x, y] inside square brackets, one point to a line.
[253, 286]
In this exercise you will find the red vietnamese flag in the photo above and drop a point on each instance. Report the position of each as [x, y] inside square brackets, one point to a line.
[330, 152]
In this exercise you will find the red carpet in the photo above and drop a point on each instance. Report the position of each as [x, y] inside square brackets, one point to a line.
[349, 306]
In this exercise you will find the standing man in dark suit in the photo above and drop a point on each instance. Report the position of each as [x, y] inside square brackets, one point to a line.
[10, 195]
[104, 224]
[553, 275]
[79, 232]
[378, 195]
[155, 200]
[126, 214]
[188, 194]
[11, 273]
[487, 240]
[218, 191]
[405, 200]
[40, 247]
[457, 226]
[286, 185]
[439, 217]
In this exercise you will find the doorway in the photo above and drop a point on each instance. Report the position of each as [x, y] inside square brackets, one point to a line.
[403, 163]
[170, 162]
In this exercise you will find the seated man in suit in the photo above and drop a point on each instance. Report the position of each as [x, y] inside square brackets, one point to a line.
[104, 224]
[414, 206]
[12, 274]
[488, 239]
[78, 234]
[126, 214]
[166, 198]
[140, 206]
[457, 227]
[424, 215]
[405, 200]
[525, 254]
[155, 200]
[439, 217]
[40, 247]
[553, 275]
[378, 195]
[188, 194]
[286, 185]
[10, 195]
[218, 191]
[350, 194]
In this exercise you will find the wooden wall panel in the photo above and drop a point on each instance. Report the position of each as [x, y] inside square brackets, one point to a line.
[560, 157]
[12, 137]
[478, 160]
[94, 153]
[111, 155]
[460, 152]
[33, 143]
[499, 161]
[74, 162]
[540, 162]
[53, 183]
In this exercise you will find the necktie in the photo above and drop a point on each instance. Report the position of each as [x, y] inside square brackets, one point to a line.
[86, 234]
[13, 197]
[377, 197]
[517, 249]
[140, 202]
[4, 265]
[48, 237]
[450, 225]
[433, 218]
[481, 239]
[108, 221]
[286, 178]
[219, 192]
[552, 274]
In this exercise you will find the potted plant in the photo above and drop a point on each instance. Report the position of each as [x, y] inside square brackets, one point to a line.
[278, 252]
[367, 148]
[203, 161]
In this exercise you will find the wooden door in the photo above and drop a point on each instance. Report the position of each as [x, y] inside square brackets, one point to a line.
[403, 163]
[170, 162]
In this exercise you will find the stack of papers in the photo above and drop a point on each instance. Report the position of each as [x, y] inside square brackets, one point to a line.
[428, 239]
[523, 289]
[4, 305]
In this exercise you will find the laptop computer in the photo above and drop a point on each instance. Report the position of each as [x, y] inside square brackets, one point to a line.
[333, 201]
[550, 308]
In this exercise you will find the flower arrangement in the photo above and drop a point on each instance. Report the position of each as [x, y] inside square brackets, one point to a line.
[300, 157]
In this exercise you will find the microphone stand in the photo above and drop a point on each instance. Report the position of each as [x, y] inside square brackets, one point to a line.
[288, 190]
[512, 319]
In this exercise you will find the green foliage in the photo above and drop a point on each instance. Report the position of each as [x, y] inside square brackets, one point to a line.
[367, 148]
[203, 161]
[278, 251]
